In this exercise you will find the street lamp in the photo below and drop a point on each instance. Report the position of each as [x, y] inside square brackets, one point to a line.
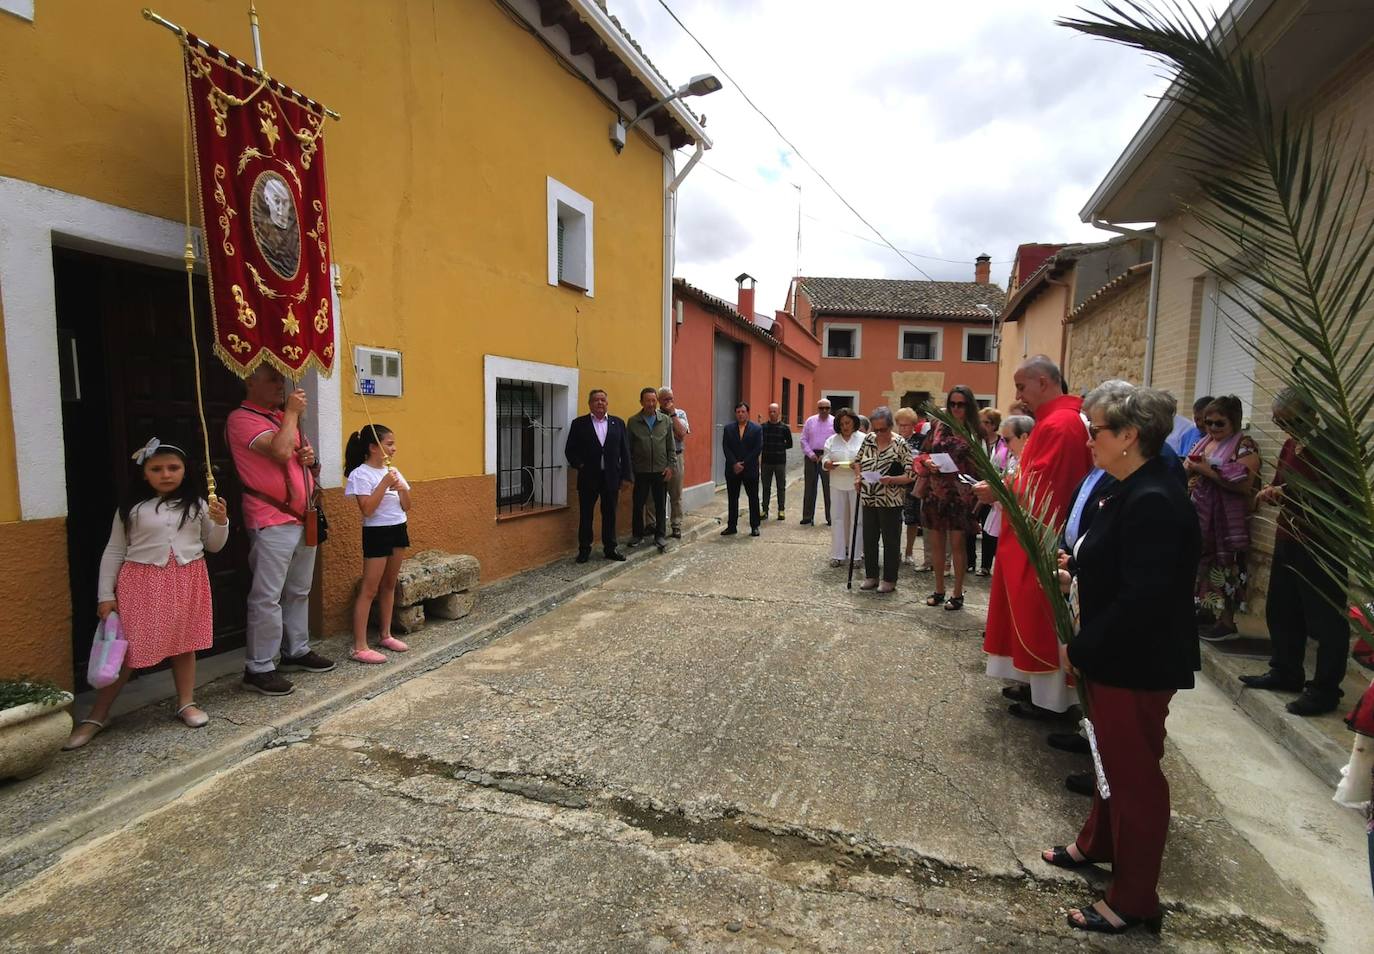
[996, 341]
[702, 85]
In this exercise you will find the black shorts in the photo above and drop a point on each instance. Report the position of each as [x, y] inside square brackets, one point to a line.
[911, 511]
[378, 542]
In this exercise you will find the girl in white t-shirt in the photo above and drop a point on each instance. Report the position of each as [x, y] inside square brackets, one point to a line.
[383, 497]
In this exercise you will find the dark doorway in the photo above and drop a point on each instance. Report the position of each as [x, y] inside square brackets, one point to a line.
[916, 399]
[128, 374]
[725, 395]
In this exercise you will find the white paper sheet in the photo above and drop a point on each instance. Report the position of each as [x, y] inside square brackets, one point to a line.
[945, 463]
[871, 476]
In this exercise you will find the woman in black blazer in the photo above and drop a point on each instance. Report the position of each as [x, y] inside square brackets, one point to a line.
[1137, 645]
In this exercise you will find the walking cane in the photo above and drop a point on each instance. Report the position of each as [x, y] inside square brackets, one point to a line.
[853, 539]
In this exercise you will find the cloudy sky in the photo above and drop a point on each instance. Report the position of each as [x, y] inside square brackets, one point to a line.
[954, 127]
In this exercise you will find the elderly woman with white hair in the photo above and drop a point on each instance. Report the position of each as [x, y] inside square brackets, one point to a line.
[883, 474]
[1136, 646]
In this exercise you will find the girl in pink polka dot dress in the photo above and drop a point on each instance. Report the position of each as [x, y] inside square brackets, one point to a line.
[153, 573]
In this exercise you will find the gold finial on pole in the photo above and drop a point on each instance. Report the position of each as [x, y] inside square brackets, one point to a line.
[257, 35]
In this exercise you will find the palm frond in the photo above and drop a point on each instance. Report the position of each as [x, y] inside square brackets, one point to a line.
[1280, 202]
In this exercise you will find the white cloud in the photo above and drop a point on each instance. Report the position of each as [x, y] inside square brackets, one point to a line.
[955, 128]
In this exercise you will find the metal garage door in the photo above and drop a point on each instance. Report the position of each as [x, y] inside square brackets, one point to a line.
[726, 394]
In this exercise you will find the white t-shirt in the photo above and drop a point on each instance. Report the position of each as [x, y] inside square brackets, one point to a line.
[363, 481]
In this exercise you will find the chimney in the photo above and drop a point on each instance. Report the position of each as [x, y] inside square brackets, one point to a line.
[745, 300]
[982, 269]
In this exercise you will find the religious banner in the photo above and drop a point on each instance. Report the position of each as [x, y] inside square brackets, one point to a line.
[259, 152]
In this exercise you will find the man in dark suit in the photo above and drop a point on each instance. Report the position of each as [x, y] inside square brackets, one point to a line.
[742, 445]
[599, 450]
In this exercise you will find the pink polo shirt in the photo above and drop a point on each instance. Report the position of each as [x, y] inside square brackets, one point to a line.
[261, 472]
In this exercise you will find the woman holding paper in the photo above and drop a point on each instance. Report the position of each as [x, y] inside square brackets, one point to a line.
[948, 502]
[840, 450]
[883, 476]
[1136, 646]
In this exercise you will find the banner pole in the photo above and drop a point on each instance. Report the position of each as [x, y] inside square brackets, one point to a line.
[257, 36]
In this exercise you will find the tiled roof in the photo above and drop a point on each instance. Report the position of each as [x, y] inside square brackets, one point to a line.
[720, 307]
[900, 298]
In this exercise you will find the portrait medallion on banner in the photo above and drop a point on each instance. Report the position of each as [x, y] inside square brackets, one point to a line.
[276, 226]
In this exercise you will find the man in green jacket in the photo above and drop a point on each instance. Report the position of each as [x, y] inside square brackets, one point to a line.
[654, 456]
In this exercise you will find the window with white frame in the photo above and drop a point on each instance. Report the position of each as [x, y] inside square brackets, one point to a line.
[920, 344]
[528, 409]
[983, 400]
[571, 260]
[842, 341]
[977, 345]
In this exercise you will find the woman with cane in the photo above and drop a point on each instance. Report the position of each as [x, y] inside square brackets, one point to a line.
[840, 450]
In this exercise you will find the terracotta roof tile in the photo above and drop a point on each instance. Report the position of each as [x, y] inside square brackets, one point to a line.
[720, 307]
[900, 298]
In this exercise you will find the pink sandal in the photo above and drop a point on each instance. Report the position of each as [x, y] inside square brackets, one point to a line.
[393, 644]
[369, 656]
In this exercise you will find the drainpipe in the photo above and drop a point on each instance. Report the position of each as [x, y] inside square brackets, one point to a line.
[1152, 308]
[671, 183]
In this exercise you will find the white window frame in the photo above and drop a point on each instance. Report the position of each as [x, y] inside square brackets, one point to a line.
[938, 333]
[560, 414]
[969, 332]
[829, 396]
[23, 9]
[858, 330]
[984, 400]
[1214, 324]
[575, 210]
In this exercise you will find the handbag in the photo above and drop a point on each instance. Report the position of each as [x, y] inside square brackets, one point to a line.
[107, 652]
[312, 518]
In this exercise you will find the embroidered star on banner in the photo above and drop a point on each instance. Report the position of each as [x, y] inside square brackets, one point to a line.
[270, 131]
[291, 324]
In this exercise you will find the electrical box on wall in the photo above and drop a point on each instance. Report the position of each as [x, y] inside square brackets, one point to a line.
[378, 372]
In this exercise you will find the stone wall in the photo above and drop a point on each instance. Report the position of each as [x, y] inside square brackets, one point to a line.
[1107, 340]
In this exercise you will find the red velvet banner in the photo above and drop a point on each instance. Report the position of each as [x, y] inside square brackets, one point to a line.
[259, 150]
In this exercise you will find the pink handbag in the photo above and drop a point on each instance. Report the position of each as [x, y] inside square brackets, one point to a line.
[107, 652]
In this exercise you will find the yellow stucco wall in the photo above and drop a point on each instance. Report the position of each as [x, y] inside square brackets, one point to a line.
[453, 118]
[1038, 330]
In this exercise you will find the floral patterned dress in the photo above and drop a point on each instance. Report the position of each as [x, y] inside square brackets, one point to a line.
[949, 502]
[1222, 574]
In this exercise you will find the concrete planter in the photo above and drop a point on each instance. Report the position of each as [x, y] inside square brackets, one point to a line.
[31, 734]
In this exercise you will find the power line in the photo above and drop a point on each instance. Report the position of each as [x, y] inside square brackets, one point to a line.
[790, 145]
[843, 231]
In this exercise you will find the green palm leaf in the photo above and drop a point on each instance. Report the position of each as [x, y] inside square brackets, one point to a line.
[1279, 201]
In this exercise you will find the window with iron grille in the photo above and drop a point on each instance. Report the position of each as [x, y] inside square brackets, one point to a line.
[841, 343]
[977, 345]
[920, 346]
[529, 465]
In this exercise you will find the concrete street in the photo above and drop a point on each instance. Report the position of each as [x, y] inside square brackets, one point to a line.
[719, 749]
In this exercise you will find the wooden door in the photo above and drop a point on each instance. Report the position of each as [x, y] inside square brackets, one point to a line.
[128, 374]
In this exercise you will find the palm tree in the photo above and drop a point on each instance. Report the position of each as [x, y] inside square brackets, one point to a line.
[1282, 202]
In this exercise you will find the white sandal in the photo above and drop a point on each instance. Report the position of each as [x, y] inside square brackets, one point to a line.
[191, 721]
[72, 745]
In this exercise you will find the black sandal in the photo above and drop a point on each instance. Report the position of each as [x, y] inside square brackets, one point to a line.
[1059, 857]
[1092, 921]
[955, 602]
[935, 599]
[1017, 693]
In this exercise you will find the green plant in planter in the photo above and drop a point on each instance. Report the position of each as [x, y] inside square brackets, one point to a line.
[24, 690]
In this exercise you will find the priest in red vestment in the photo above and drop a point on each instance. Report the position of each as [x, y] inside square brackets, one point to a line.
[1020, 642]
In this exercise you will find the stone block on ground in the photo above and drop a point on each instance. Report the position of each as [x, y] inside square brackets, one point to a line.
[407, 619]
[431, 574]
[453, 606]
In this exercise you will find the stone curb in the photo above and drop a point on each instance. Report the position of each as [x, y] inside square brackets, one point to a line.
[1304, 741]
[24, 857]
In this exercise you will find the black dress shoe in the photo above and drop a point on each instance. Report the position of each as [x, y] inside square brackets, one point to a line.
[1068, 742]
[583, 556]
[1274, 680]
[729, 532]
[1312, 703]
[615, 555]
[1081, 783]
[807, 523]
[754, 532]
[1027, 710]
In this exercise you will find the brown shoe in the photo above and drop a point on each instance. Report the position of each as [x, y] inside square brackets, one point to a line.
[267, 683]
[310, 661]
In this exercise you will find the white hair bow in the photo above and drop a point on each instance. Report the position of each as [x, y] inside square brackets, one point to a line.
[148, 450]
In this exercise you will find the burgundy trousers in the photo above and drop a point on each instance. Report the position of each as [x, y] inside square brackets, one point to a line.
[1129, 828]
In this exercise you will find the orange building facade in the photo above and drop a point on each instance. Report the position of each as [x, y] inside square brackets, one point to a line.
[900, 343]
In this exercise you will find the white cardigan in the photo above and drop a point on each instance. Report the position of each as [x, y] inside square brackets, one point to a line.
[153, 533]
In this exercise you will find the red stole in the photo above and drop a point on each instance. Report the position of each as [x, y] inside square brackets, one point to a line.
[1056, 459]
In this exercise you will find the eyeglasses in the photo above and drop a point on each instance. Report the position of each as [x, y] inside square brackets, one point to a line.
[958, 404]
[1095, 429]
[1216, 422]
